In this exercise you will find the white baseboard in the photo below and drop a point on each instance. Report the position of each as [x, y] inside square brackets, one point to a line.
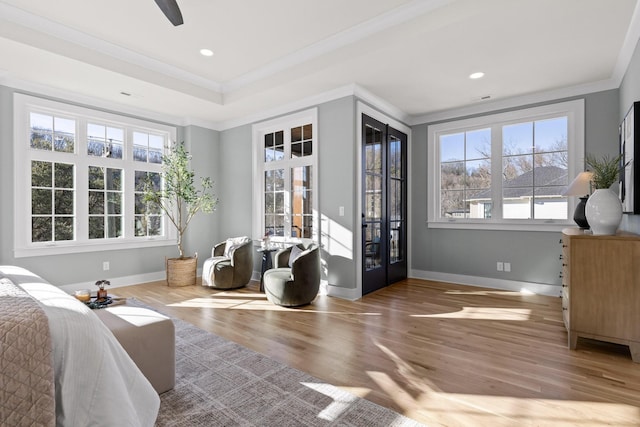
[488, 282]
[350, 294]
[118, 282]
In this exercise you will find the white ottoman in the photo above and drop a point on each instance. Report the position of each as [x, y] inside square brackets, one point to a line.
[149, 339]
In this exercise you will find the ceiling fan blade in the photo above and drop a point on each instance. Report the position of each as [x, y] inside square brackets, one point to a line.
[171, 10]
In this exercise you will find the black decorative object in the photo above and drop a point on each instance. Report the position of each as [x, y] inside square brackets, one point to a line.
[581, 187]
[578, 216]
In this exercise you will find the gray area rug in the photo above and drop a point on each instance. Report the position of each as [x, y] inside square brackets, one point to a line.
[221, 383]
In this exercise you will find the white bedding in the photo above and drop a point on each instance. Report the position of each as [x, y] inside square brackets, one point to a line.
[97, 383]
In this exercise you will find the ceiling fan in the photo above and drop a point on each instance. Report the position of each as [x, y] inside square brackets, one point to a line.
[171, 10]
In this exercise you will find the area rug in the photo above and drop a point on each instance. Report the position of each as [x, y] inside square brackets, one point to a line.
[221, 383]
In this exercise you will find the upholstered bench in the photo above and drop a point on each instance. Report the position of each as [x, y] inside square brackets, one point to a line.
[149, 339]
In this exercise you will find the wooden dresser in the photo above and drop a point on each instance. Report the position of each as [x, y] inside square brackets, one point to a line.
[601, 288]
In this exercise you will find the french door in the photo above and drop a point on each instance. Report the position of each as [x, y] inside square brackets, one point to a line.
[384, 205]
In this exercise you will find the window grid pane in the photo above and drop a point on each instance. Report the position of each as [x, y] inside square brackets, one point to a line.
[535, 169]
[148, 218]
[52, 201]
[52, 133]
[105, 141]
[465, 173]
[106, 213]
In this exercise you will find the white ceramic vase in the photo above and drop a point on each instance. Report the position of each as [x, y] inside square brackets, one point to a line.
[604, 212]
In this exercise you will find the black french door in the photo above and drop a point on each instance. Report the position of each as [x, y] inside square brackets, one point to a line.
[384, 205]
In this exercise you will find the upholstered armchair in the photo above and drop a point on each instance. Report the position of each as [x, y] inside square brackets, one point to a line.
[295, 280]
[230, 265]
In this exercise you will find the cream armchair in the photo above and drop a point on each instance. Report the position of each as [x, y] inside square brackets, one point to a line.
[230, 265]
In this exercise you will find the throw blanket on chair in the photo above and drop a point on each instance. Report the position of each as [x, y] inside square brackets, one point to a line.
[27, 394]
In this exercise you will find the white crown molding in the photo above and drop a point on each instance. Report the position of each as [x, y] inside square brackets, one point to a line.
[375, 25]
[382, 105]
[515, 101]
[628, 47]
[63, 95]
[54, 29]
[314, 100]
[351, 35]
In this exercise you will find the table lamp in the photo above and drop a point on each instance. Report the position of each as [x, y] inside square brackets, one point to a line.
[580, 186]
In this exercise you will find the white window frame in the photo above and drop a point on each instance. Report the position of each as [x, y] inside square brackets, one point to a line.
[573, 110]
[24, 154]
[259, 130]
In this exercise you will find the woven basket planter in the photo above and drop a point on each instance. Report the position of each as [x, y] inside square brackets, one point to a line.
[181, 271]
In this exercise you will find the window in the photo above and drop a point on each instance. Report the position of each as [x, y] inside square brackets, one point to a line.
[82, 187]
[285, 171]
[506, 170]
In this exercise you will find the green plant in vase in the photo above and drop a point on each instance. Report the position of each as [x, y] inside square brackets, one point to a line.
[179, 199]
[603, 209]
[605, 170]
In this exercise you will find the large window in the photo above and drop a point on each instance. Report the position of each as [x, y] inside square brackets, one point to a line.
[506, 170]
[78, 174]
[285, 168]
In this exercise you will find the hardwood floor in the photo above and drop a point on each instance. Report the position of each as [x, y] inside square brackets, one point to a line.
[439, 353]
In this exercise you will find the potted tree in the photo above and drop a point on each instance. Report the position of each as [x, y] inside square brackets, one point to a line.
[603, 209]
[180, 200]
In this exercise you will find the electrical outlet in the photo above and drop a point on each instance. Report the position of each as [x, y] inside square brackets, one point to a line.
[500, 266]
[507, 266]
[105, 266]
[341, 211]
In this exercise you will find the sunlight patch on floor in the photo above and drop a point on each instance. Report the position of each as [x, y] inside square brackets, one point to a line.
[341, 400]
[484, 313]
[245, 301]
[424, 393]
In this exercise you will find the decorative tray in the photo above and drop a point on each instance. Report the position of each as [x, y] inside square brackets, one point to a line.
[95, 303]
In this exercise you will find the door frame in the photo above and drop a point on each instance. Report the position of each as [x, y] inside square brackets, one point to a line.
[362, 108]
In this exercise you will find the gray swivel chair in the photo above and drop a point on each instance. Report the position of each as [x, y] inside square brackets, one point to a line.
[230, 265]
[295, 280]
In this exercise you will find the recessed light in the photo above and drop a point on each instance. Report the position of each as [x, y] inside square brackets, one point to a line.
[477, 75]
[206, 52]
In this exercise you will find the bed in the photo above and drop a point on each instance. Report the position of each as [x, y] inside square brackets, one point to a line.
[60, 365]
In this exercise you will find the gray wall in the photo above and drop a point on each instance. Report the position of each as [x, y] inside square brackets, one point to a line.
[87, 267]
[630, 93]
[337, 186]
[336, 135]
[533, 255]
[204, 147]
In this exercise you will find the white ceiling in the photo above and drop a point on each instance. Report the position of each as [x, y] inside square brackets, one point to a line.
[416, 55]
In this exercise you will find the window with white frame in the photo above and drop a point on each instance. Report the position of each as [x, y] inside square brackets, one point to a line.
[285, 177]
[79, 175]
[506, 170]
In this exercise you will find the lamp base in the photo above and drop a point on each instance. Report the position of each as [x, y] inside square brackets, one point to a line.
[579, 216]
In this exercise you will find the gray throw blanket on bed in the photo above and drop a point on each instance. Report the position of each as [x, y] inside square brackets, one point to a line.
[27, 394]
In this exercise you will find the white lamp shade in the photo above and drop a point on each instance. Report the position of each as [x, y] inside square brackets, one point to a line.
[580, 186]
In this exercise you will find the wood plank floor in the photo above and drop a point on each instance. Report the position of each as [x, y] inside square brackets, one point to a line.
[439, 353]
